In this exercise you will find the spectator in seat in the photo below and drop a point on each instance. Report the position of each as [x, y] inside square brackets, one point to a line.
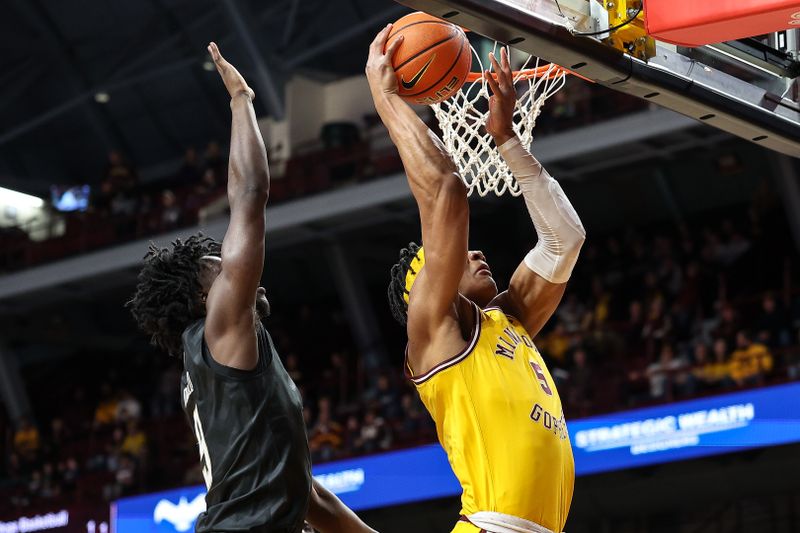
[555, 345]
[772, 326]
[51, 484]
[387, 401]
[352, 435]
[325, 439]
[135, 442]
[374, 434]
[106, 412]
[119, 173]
[170, 211]
[69, 472]
[215, 163]
[580, 381]
[719, 371]
[727, 325]
[750, 362]
[27, 441]
[793, 359]
[128, 407]
[664, 373]
[189, 173]
[702, 374]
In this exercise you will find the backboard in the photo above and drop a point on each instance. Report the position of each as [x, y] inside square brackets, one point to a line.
[748, 88]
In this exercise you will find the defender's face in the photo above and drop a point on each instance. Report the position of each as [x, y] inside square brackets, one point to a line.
[212, 267]
[477, 283]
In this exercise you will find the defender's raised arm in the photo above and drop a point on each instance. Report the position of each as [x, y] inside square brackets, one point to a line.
[230, 332]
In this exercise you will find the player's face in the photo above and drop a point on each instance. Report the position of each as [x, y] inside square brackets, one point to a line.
[477, 282]
[212, 266]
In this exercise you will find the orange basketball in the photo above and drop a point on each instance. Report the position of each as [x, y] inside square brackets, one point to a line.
[434, 59]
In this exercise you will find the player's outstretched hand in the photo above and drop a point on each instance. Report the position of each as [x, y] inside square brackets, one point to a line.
[233, 81]
[503, 101]
[380, 73]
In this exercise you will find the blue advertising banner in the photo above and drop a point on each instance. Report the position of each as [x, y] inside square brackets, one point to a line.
[390, 478]
[165, 512]
[674, 432]
[684, 430]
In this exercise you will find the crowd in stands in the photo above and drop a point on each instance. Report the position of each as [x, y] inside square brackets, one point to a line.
[653, 317]
[123, 207]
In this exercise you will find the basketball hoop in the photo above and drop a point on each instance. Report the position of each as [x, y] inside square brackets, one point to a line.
[463, 116]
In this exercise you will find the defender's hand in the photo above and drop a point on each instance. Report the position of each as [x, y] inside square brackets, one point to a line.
[380, 73]
[503, 101]
[233, 81]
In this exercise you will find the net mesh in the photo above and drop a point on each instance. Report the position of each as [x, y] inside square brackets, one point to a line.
[462, 118]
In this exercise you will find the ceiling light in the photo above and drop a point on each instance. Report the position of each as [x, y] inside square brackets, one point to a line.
[102, 97]
[19, 199]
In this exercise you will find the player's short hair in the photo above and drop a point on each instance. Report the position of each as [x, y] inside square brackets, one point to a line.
[169, 296]
[397, 283]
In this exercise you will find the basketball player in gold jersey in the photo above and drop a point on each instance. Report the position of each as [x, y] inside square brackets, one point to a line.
[470, 351]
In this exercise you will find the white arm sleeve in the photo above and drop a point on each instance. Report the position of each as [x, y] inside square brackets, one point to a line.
[558, 226]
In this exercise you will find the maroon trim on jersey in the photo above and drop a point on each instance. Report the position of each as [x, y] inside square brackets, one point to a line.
[476, 333]
[466, 519]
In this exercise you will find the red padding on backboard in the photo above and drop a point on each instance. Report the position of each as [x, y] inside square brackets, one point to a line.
[699, 22]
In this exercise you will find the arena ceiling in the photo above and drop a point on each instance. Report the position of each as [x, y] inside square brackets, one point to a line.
[148, 57]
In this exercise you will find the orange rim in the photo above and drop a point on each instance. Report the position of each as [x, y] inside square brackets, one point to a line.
[527, 74]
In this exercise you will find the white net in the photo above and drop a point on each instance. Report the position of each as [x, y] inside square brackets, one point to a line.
[463, 116]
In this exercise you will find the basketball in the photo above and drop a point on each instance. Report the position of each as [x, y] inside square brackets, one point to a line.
[433, 61]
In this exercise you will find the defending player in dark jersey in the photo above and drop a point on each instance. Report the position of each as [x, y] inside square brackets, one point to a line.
[201, 301]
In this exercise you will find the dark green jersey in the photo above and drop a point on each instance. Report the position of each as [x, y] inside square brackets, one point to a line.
[252, 439]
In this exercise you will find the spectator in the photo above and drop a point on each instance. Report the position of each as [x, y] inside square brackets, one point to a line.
[189, 173]
[750, 362]
[374, 434]
[164, 402]
[50, 487]
[170, 211]
[26, 440]
[793, 360]
[119, 173]
[125, 477]
[727, 325]
[719, 371]
[772, 326]
[69, 474]
[412, 423]
[703, 378]
[325, 438]
[215, 163]
[664, 373]
[580, 394]
[128, 407]
[352, 435]
[293, 368]
[386, 399]
[135, 441]
[106, 412]
[555, 345]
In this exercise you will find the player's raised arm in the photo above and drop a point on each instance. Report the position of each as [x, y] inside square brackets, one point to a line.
[230, 320]
[539, 282]
[439, 192]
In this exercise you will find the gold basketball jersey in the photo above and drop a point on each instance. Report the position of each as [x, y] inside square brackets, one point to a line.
[499, 418]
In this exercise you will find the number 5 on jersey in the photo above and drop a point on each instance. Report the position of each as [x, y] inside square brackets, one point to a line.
[205, 458]
[541, 377]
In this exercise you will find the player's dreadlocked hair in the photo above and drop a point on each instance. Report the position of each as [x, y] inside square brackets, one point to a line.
[169, 295]
[397, 283]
